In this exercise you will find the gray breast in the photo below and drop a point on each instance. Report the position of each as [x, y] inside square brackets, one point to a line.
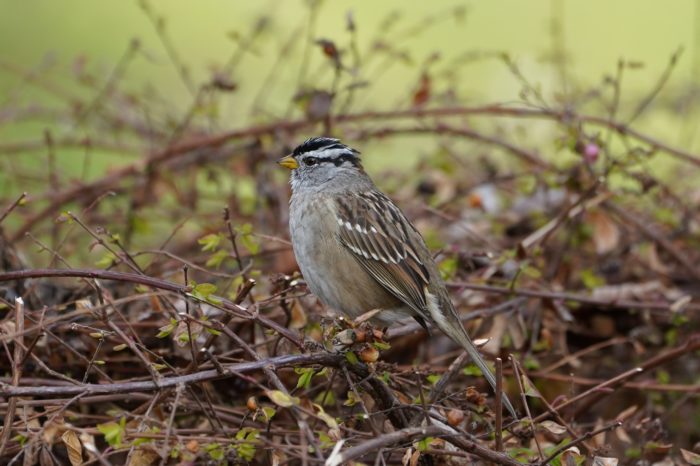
[331, 271]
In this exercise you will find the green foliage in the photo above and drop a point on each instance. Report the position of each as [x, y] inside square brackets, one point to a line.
[114, 432]
[247, 441]
[305, 376]
[472, 370]
[325, 398]
[166, 330]
[424, 444]
[282, 399]
[215, 451]
[211, 241]
[352, 358]
[107, 260]
[590, 279]
[250, 242]
[205, 292]
[352, 399]
[216, 259]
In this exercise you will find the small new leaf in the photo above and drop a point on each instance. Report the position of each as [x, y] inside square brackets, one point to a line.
[282, 399]
[211, 241]
[113, 432]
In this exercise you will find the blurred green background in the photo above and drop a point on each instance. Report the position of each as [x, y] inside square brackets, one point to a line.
[568, 50]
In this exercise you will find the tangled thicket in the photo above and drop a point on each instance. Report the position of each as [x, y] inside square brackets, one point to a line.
[153, 314]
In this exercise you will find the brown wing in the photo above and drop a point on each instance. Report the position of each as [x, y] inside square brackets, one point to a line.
[377, 233]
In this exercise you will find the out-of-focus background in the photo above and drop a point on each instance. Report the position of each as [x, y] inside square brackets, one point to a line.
[72, 50]
[546, 150]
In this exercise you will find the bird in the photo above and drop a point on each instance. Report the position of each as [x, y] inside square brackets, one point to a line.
[358, 252]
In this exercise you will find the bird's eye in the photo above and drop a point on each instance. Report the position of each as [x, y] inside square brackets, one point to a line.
[309, 161]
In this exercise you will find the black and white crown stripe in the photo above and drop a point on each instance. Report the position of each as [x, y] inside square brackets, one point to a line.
[327, 150]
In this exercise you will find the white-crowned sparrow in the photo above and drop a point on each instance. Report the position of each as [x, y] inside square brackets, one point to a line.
[356, 249]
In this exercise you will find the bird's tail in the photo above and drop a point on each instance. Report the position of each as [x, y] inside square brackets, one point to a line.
[457, 332]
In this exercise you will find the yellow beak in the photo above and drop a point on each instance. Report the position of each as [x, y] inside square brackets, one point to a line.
[288, 162]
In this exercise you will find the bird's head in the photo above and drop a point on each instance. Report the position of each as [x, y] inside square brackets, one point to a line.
[320, 160]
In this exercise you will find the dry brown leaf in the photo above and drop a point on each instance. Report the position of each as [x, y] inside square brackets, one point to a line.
[603, 461]
[606, 233]
[74, 447]
[690, 457]
[627, 413]
[414, 458]
[299, 319]
[571, 456]
[498, 329]
[406, 457]
[599, 439]
[623, 435]
[88, 442]
[650, 255]
[143, 457]
[553, 427]
[45, 458]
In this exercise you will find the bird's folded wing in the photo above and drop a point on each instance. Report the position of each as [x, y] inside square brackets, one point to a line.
[379, 236]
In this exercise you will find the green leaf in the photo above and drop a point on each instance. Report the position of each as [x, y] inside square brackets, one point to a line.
[251, 243]
[269, 412]
[325, 398]
[325, 417]
[113, 432]
[141, 440]
[248, 438]
[381, 345]
[424, 444]
[305, 376]
[211, 241]
[216, 259]
[282, 399]
[472, 369]
[352, 399]
[351, 358]
[448, 268]
[591, 280]
[106, 260]
[205, 289]
[433, 379]
[21, 439]
[531, 363]
[662, 376]
[166, 330]
[215, 451]
[204, 292]
[529, 389]
[325, 440]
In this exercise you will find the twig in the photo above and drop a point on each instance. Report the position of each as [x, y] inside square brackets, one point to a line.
[576, 441]
[12, 206]
[169, 428]
[154, 283]
[576, 297]
[445, 379]
[296, 360]
[16, 372]
[411, 434]
[681, 257]
[523, 396]
[497, 407]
